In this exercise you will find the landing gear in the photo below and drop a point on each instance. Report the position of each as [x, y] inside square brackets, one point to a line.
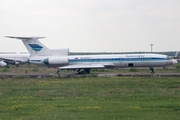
[87, 71]
[152, 70]
[7, 66]
[17, 64]
[83, 71]
[58, 71]
[79, 71]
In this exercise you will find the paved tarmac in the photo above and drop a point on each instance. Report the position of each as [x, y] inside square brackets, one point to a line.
[43, 75]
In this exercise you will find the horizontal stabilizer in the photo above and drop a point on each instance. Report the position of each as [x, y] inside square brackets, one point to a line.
[82, 66]
[24, 38]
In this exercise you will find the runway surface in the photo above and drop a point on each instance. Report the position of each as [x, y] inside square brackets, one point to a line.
[43, 75]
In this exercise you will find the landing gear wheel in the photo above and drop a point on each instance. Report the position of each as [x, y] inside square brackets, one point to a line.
[152, 69]
[83, 71]
[58, 71]
[87, 71]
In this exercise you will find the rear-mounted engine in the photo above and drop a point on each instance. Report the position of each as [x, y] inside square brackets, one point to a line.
[56, 61]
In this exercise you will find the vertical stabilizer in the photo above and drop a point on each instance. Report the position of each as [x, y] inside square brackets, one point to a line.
[34, 46]
[176, 54]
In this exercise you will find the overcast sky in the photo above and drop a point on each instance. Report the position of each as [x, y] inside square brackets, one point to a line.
[92, 25]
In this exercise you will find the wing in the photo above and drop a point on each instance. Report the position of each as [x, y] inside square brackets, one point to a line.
[81, 66]
[108, 64]
[8, 60]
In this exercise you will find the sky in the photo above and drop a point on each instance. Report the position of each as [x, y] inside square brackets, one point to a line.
[92, 25]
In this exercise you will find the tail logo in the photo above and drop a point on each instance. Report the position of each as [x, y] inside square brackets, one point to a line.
[36, 47]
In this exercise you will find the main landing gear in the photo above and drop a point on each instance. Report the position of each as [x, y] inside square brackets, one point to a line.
[152, 70]
[79, 71]
[83, 71]
[7, 66]
[58, 71]
[17, 65]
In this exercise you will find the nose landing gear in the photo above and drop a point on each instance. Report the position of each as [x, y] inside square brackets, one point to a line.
[58, 71]
[152, 70]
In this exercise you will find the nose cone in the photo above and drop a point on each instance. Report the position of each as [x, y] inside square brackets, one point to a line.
[174, 61]
[2, 64]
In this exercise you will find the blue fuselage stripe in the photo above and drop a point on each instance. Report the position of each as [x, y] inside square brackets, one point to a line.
[113, 60]
[35, 60]
[117, 60]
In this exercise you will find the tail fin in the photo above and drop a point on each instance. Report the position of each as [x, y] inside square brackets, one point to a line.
[36, 48]
[176, 54]
[33, 45]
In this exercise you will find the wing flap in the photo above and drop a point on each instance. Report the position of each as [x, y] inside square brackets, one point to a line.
[84, 66]
[108, 64]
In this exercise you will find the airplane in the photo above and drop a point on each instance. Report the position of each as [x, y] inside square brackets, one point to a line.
[41, 55]
[14, 59]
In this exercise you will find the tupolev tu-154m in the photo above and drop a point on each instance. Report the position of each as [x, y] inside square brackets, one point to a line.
[41, 55]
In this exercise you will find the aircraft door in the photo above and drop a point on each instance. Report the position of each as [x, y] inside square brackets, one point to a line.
[120, 62]
[142, 60]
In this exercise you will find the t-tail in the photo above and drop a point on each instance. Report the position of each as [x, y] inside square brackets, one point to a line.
[36, 48]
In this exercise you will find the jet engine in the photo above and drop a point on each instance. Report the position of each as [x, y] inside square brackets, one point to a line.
[2, 64]
[16, 63]
[56, 61]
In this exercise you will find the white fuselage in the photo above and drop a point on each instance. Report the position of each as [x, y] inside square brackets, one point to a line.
[120, 60]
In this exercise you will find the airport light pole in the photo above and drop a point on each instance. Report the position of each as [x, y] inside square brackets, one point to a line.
[151, 46]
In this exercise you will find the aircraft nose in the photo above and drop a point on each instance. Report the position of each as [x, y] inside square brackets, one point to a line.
[174, 61]
[4, 64]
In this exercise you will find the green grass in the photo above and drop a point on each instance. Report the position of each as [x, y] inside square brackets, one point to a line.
[133, 70]
[5, 69]
[31, 68]
[119, 98]
[93, 71]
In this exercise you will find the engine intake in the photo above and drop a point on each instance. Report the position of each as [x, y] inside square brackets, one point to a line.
[56, 61]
